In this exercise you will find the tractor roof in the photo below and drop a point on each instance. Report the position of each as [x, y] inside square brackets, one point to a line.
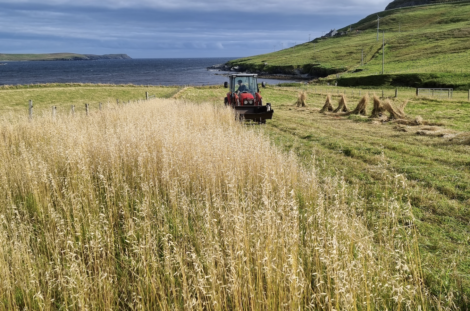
[243, 75]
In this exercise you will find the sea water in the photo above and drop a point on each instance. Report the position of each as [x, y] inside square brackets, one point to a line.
[176, 71]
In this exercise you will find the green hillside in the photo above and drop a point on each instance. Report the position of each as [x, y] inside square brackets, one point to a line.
[31, 57]
[59, 56]
[426, 45]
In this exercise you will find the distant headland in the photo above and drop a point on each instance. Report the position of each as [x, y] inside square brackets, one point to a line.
[59, 57]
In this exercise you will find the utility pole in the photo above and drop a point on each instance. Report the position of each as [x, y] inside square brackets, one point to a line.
[383, 52]
[378, 27]
[362, 58]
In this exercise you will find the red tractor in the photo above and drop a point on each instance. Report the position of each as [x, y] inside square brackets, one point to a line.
[245, 98]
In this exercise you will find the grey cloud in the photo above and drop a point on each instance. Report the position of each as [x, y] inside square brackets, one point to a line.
[339, 7]
[56, 26]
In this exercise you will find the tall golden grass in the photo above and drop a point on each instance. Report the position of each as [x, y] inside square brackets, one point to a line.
[169, 205]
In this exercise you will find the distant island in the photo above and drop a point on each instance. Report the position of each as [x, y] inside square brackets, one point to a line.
[59, 57]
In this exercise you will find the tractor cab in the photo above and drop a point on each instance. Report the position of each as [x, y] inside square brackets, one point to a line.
[245, 98]
[244, 84]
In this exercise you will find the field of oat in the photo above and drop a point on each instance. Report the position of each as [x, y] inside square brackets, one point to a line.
[171, 204]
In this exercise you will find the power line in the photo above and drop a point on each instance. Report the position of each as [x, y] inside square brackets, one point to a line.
[383, 52]
[378, 27]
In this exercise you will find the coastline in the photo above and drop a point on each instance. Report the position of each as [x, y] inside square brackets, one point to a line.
[227, 70]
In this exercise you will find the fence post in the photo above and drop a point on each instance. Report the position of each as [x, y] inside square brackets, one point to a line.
[417, 92]
[448, 93]
[73, 110]
[30, 109]
[87, 108]
[147, 95]
[53, 111]
[100, 105]
[396, 93]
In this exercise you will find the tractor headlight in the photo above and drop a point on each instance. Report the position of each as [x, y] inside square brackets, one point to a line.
[245, 102]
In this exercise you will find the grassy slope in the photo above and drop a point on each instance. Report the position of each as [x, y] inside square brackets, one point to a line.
[437, 173]
[433, 39]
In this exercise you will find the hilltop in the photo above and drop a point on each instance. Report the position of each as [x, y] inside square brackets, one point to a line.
[424, 46]
[59, 57]
[405, 3]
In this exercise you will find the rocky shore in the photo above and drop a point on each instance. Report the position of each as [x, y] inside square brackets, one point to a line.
[297, 75]
[106, 56]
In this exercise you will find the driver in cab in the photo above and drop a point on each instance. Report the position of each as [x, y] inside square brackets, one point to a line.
[241, 87]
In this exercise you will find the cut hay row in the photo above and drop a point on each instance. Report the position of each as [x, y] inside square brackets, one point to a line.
[461, 139]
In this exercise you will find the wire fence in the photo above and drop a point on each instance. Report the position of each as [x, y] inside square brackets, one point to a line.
[444, 94]
[86, 108]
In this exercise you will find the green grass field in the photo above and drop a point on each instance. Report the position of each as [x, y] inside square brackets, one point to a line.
[433, 172]
[16, 98]
[420, 40]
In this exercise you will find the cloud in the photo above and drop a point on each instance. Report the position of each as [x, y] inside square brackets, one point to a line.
[339, 7]
[157, 29]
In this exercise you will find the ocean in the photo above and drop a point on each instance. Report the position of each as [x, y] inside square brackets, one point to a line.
[177, 71]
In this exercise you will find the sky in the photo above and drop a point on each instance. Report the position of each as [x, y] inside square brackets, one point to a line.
[172, 28]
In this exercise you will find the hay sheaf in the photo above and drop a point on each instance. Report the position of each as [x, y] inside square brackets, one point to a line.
[378, 109]
[361, 108]
[342, 106]
[327, 106]
[302, 99]
[395, 112]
